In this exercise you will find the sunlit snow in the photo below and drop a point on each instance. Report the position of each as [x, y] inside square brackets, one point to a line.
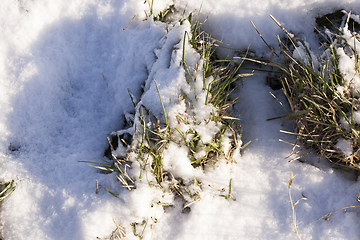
[66, 69]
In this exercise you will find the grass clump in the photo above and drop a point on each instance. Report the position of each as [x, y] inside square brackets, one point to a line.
[199, 127]
[152, 135]
[323, 96]
[153, 138]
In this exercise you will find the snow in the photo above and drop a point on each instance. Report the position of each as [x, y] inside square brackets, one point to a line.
[65, 71]
[344, 146]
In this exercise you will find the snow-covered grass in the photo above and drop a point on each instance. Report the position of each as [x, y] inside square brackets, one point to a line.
[197, 126]
[322, 94]
[66, 71]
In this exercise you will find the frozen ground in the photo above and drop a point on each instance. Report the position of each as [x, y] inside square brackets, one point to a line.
[65, 70]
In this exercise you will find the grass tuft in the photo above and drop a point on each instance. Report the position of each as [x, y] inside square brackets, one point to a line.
[211, 85]
[322, 99]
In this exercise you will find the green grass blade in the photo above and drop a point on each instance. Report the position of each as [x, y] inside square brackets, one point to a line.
[162, 104]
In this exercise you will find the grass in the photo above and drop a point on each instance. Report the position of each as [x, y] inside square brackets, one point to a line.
[151, 139]
[162, 16]
[322, 102]
[6, 188]
[152, 135]
[294, 226]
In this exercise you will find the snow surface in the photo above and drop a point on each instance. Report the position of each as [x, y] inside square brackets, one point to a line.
[64, 78]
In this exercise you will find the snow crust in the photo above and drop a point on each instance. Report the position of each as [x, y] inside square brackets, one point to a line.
[65, 71]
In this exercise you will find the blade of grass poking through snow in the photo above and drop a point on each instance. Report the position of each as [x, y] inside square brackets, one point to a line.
[207, 54]
[9, 188]
[279, 102]
[151, 6]
[3, 160]
[183, 55]
[229, 195]
[193, 80]
[124, 178]
[195, 30]
[143, 124]
[270, 47]
[293, 205]
[185, 66]
[102, 166]
[294, 228]
[108, 191]
[132, 97]
[162, 104]
[142, 233]
[203, 43]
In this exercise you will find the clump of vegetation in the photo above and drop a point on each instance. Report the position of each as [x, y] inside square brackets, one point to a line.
[143, 156]
[153, 136]
[140, 153]
[323, 99]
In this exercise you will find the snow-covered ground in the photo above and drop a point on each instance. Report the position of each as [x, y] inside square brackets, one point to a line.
[65, 71]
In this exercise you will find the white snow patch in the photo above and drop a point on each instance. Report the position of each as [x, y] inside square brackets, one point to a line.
[345, 146]
[65, 71]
